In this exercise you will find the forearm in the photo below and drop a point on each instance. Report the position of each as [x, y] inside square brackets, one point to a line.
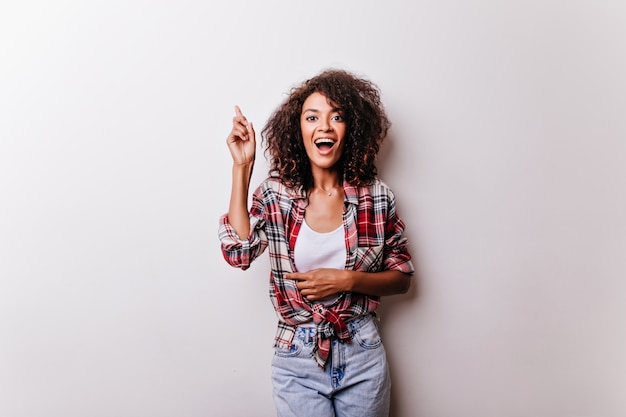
[238, 215]
[388, 282]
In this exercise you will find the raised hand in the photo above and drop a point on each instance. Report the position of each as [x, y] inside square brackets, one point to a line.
[241, 140]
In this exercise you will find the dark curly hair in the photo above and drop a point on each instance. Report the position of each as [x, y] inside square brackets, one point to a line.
[366, 127]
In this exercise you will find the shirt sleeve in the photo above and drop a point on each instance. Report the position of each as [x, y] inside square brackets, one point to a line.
[396, 255]
[240, 252]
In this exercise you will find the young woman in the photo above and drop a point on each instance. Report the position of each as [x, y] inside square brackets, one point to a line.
[335, 243]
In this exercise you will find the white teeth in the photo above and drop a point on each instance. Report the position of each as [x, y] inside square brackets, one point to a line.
[324, 141]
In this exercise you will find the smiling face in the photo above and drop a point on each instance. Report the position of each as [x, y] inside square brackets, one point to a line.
[323, 130]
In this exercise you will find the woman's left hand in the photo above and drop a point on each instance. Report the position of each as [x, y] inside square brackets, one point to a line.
[321, 283]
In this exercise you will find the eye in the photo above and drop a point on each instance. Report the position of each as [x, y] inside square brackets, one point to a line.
[311, 118]
[337, 118]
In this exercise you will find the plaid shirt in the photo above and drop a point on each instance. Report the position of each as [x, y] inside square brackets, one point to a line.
[374, 242]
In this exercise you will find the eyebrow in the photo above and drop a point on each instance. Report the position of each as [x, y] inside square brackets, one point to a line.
[333, 110]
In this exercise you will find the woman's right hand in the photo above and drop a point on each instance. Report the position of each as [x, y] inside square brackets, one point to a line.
[241, 140]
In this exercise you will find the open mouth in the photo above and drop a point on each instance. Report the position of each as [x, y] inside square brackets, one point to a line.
[324, 144]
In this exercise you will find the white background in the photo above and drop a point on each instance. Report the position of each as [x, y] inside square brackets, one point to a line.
[507, 155]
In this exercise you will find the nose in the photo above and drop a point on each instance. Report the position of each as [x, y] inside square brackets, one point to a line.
[325, 125]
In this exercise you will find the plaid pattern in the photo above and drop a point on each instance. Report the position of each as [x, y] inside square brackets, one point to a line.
[374, 243]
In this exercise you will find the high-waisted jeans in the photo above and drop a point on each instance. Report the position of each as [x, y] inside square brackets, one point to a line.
[355, 381]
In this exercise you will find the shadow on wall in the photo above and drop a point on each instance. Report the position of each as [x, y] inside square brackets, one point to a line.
[387, 162]
[394, 307]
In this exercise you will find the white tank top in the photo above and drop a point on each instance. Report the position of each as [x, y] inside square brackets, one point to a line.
[319, 250]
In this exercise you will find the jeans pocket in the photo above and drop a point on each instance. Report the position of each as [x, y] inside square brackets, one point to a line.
[303, 341]
[365, 332]
[286, 351]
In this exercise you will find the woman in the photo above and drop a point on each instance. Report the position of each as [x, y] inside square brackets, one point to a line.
[335, 243]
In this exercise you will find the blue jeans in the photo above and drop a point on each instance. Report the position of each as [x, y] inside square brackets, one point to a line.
[355, 382]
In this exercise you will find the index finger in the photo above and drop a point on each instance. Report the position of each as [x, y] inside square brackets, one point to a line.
[295, 276]
[238, 112]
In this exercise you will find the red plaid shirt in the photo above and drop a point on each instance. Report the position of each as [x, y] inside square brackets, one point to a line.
[374, 242]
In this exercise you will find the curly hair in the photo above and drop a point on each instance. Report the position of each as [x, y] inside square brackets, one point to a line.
[366, 127]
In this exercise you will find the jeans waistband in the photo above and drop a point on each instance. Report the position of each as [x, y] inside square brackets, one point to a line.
[308, 331]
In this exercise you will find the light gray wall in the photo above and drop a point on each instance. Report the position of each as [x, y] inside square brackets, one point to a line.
[507, 154]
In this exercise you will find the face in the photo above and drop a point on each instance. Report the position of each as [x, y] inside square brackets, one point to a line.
[323, 130]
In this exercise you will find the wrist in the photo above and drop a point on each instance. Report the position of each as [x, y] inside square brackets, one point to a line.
[351, 278]
[242, 171]
[248, 165]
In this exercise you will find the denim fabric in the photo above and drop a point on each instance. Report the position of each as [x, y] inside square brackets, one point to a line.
[355, 382]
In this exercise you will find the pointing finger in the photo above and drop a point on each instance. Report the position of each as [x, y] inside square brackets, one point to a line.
[239, 113]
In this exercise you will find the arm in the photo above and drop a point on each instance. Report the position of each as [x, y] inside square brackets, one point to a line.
[241, 245]
[242, 145]
[388, 282]
[320, 283]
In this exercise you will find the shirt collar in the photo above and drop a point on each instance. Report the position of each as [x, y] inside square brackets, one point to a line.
[351, 193]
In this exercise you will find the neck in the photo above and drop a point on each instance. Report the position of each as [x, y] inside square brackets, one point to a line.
[326, 179]
[327, 182]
